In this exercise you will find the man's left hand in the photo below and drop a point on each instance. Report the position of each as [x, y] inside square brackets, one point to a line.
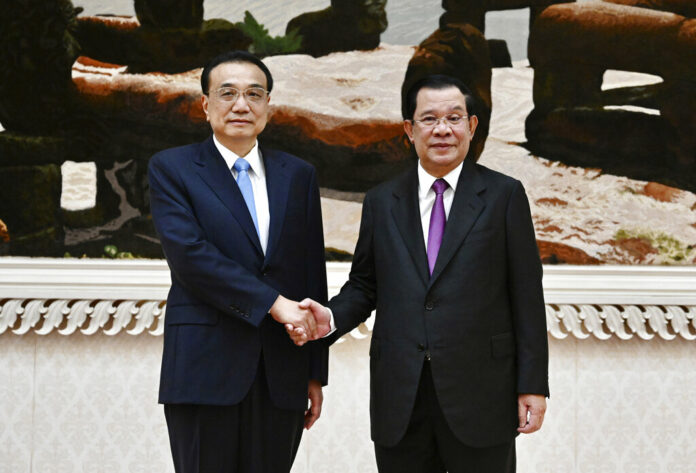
[535, 406]
[316, 399]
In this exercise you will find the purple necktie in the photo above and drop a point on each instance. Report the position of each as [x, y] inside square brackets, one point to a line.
[437, 223]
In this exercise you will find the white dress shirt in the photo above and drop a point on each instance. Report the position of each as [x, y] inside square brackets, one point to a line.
[257, 176]
[426, 195]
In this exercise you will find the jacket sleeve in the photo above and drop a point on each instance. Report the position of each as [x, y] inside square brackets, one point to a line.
[526, 296]
[357, 299]
[197, 264]
[316, 278]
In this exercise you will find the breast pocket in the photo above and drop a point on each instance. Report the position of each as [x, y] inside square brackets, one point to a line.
[479, 236]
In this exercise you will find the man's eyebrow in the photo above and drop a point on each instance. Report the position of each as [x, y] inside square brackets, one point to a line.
[431, 112]
[230, 84]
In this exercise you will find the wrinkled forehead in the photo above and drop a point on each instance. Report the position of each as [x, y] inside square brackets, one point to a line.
[239, 74]
[440, 100]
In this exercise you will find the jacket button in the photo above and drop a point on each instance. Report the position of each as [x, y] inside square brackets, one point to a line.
[421, 347]
[429, 305]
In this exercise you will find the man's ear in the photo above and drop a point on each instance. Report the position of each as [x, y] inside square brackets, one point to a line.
[408, 128]
[473, 123]
[204, 104]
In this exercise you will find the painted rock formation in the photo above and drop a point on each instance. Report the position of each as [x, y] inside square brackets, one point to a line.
[346, 25]
[37, 50]
[30, 197]
[681, 7]
[558, 253]
[334, 112]
[499, 53]
[458, 50]
[4, 232]
[169, 14]
[121, 40]
[474, 12]
[571, 47]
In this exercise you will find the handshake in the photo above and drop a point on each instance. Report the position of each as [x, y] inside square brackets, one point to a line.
[304, 321]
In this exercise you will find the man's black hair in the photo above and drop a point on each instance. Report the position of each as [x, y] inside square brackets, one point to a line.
[435, 81]
[234, 56]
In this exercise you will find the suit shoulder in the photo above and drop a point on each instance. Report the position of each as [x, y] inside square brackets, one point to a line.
[175, 155]
[495, 177]
[390, 186]
[293, 162]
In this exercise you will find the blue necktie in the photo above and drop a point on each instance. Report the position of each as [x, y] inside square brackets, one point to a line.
[244, 183]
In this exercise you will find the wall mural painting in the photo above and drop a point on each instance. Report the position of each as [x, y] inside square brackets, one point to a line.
[599, 123]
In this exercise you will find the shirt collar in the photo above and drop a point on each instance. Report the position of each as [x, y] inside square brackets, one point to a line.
[425, 180]
[253, 157]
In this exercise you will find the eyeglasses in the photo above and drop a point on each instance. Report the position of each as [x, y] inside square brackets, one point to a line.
[450, 120]
[230, 94]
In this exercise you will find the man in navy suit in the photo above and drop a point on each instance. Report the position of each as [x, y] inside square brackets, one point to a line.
[448, 258]
[241, 229]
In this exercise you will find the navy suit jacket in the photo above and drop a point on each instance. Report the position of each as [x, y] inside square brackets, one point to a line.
[217, 324]
[480, 317]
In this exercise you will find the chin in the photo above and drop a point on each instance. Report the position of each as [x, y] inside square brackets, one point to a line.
[239, 126]
[443, 159]
[238, 131]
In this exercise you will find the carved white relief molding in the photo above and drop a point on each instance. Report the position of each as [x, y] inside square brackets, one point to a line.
[45, 295]
[624, 321]
[87, 317]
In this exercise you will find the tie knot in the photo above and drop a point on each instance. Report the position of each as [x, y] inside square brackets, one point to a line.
[439, 186]
[241, 164]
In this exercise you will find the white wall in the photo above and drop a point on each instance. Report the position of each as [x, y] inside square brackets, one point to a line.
[80, 351]
[88, 404]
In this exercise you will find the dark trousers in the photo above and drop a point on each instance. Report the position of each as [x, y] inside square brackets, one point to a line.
[253, 436]
[429, 445]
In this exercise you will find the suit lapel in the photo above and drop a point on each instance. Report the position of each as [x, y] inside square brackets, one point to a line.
[465, 210]
[212, 169]
[278, 187]
[406, 213]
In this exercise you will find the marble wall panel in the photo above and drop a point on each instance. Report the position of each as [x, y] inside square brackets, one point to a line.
[89, 404]
[16, 403]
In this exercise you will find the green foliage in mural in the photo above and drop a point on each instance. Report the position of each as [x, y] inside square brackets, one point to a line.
[670, 249]
[263, 44]
[37, 50]
[111, 251]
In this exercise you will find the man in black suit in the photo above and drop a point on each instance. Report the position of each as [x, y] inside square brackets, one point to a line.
[448, 258]
[241, 229]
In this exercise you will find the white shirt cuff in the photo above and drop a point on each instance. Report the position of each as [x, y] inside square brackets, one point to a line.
[333, 324]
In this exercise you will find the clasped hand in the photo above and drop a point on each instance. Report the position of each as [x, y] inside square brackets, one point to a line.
[304, 321]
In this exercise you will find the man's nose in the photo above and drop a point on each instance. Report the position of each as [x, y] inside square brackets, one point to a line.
[442, 128]
[241, 104]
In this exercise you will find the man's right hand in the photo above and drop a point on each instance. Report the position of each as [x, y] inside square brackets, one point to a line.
[291, 313]
[322, 317]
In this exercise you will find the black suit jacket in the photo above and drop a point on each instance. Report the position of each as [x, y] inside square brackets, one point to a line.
[217, 323]
[480, 317]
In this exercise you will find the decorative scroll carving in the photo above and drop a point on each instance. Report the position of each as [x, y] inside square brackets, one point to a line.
[43, 316]
[624, 321]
